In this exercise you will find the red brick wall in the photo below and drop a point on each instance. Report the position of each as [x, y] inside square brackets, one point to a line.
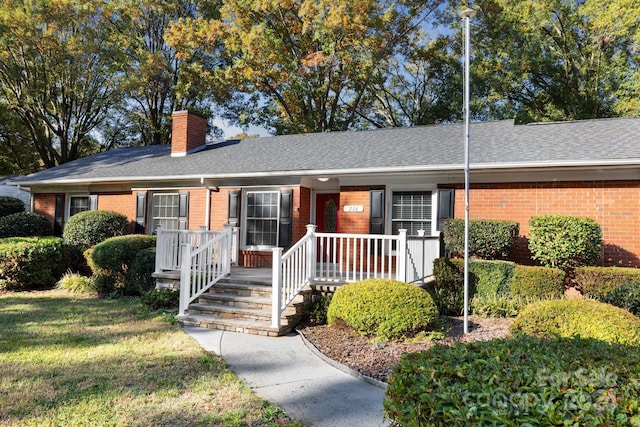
[615, 205]
[354, 222]
[124, 203]
[45, 205]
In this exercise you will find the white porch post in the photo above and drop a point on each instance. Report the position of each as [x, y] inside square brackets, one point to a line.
[185, 278]
[311, 252]
[276, 284]
[401, 274]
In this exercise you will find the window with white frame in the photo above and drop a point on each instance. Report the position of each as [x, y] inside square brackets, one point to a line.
[262, 218]
[78, 204]
[165, 210]
[411, 210]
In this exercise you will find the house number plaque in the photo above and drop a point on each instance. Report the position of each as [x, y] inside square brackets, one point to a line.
[354, 208]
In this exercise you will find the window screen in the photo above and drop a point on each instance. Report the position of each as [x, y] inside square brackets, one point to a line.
[165, 211]
[78, 204]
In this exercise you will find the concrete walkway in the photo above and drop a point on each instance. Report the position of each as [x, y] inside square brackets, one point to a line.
[287, 373]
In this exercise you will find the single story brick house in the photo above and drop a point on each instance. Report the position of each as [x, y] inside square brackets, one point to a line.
[373, 182]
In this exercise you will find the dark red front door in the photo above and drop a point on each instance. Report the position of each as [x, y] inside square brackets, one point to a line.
[327, 209]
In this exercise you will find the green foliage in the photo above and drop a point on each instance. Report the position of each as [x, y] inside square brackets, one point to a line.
[499, 305]
[585, 318]
[599, 282]
[520, 381]
[386, 309]
[488, 239]
[318, 312]
[486, 278]
[139, 273]
[627, 297]
[88, 228]
[448, 288]
[10, 205]
[73, 260]
[76, 284]
[161, 298]
[29, 262]
[537, 282]
[106, 285]
[565, 242]
[24, 224]
[124, 267]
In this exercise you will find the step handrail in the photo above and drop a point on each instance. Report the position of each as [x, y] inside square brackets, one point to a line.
[203, 267]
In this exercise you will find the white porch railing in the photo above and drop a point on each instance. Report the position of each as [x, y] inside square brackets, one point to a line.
[334, 257]
[170, 242]
[204, 267]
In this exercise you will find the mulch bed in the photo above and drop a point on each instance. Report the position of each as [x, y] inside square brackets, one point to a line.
[375, 360]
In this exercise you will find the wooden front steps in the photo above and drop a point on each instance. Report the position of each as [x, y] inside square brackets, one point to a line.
[240, 305]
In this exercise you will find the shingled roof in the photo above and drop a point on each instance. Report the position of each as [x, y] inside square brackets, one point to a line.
[494, 145]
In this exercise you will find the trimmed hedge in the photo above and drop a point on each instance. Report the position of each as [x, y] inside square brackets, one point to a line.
[564, 242]
[24, 224]
[488, 239]
[28, 263]
[585, 318]
[384, 308]
[599, 282]
[521, 381]
[88, 228]
[626, 297]
[10, 205]
[118, 266]
[486, 278]
[537, 282]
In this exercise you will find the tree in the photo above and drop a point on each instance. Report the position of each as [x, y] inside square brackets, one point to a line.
[17, 154]
[422, 86]
[152, 74]
[556, 60]
[57, 73]
[305, 65]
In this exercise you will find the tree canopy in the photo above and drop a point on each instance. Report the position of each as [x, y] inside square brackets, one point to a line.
[81, 76]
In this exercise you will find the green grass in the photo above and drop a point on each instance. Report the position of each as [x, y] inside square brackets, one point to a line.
[78, 360]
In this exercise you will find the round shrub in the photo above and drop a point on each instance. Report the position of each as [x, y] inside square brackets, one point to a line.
[139, 280]
[537, 282]
[28, 263]
[565, 241]
[88, 228]
[384, 308]
[488, 239]
[117, 258]
[24, 224]
[519, 381]
[585, 318]
[10, 205]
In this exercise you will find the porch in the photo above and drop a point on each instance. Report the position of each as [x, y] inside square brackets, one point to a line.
[217, 293]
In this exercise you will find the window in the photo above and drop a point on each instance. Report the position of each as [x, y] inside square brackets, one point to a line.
[78, 204]
[165, 210]
[411, 210]
[262, 218]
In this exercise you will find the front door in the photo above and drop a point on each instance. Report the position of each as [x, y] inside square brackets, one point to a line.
[327, 221]
[327, 208]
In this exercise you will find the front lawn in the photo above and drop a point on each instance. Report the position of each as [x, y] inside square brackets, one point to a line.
[69, 360]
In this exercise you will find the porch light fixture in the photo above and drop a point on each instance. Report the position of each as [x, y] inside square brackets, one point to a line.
[323, 179]
[466, 14]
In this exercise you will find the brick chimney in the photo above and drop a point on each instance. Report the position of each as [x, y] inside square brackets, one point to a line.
[188, 133]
